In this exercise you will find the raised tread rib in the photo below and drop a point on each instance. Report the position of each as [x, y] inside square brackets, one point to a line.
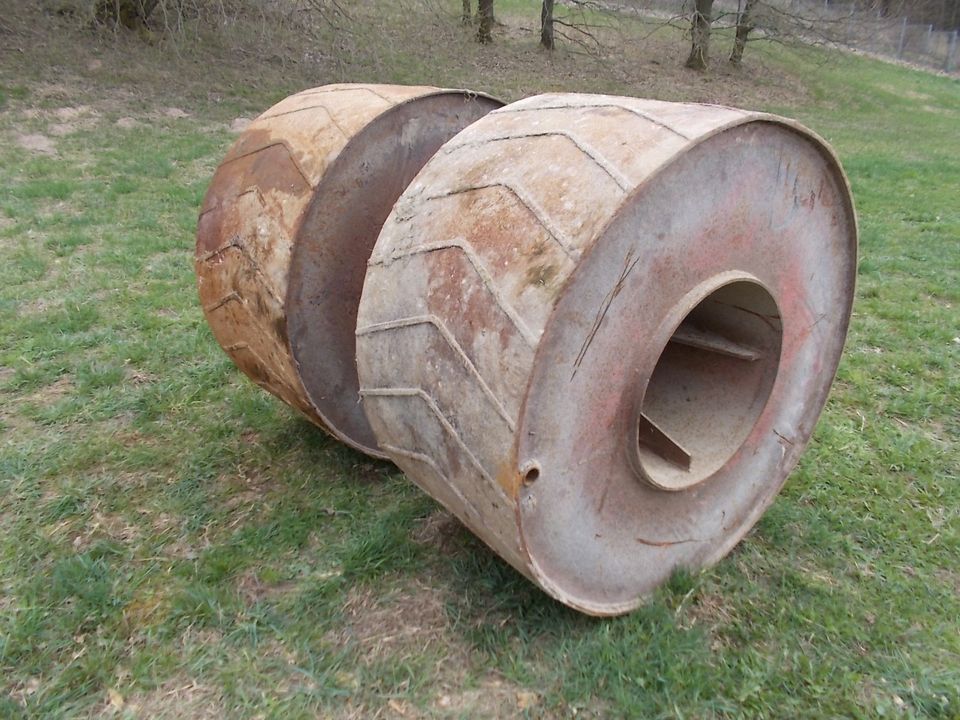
[606, 153]
[479, 268]
[288, 224]
[441, 328]
[442, 368]
[408, 407]
[408, 236]
[581, 144]
[250, 218]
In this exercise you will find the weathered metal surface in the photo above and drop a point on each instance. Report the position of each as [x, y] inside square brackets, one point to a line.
[600, 330]
[289, 222]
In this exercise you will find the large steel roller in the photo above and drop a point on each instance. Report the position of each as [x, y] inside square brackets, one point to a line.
[600, 330]
[288, 224]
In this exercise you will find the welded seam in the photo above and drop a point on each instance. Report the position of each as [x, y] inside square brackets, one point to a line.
[333, 120]
[479, 268]
[361, 88]
[280, 143]
[429, 461]
[566, 243]
[228, 298]
[632, 111]
[415, 392]
[584, 147]
[232, 243]
[438, 324]
[264, 283]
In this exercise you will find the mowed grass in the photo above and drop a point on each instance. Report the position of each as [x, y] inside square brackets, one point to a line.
[176, 543]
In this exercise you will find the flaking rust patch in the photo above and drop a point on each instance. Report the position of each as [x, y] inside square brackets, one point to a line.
[510, 479]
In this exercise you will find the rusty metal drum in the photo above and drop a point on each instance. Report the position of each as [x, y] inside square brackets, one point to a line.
[600, 331]
[289, 222]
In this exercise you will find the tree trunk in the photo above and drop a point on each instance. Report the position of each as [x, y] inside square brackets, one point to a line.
[744, 26]
[546, 25]
[700, 30]
[485, 31]
[465, 17]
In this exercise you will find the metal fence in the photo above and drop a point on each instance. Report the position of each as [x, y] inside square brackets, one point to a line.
[842, 24]
[896, 38]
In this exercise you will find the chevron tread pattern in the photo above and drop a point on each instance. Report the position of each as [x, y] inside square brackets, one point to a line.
[475, 254]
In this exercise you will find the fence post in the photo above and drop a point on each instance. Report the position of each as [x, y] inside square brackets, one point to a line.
[926, 40]
[951, 50]
[903, 36]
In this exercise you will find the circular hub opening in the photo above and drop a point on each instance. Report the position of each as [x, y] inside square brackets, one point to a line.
[709, 386]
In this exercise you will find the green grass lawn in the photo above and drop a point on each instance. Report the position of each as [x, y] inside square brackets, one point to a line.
[176, 543]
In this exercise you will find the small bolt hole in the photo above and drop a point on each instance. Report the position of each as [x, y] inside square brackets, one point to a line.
[531, 475]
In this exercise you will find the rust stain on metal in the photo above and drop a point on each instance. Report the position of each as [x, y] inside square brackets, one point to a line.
[510, 479]
[703, 329]
[287, 226]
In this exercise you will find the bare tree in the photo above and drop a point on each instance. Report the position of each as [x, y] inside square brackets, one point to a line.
[466, 16]
[485, 30]
[577, 24]
[790, 24]
[546, 25]
[744, 26]
[700, 32]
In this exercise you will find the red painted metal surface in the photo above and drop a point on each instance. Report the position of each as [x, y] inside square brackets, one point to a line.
[289, 221]
[600, 330]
